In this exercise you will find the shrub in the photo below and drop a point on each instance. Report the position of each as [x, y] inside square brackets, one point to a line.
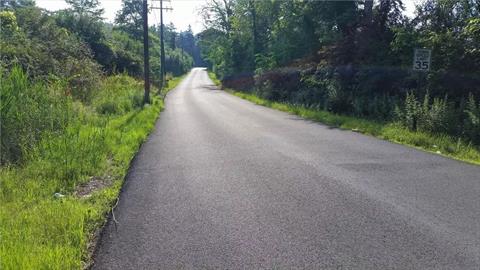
[241, 81]
[434, 116]
[472, 120]
[36, 43]
[313, 88]
[278, 85]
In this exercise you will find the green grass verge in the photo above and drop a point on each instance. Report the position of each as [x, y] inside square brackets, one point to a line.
[445, 145]
[40, 231]
[213, 77]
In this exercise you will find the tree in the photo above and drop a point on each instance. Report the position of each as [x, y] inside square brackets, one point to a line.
[90, 8]
[84, 19]
[187, 42]
[171, 35]
[130, 18]
[217, 14]
[389, 13]
[13, 4]
[367, 11]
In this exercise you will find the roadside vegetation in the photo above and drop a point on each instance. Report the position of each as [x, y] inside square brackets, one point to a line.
[442, 144]
[72, 118]
[349, 64]
[74, 158]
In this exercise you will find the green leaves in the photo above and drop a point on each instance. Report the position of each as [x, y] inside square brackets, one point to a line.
[90, 8]
[472, 121]
[130, 19]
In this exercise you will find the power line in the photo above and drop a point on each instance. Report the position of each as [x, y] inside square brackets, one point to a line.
[146, 56]
[162, 42]
[156, 24]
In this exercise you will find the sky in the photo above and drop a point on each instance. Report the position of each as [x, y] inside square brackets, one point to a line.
[184, 13]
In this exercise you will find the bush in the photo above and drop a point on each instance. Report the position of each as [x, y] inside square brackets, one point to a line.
[313, 88]
[278, 85]
[242, 81]
[434, 116]
[472, 120]
[335, 89]
[37, 44]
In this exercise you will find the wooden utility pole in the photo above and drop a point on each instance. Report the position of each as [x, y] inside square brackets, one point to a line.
[162, 44]
[256, 46]
[146, 56]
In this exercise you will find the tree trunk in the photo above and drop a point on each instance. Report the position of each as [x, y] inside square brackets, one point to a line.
[368, 10]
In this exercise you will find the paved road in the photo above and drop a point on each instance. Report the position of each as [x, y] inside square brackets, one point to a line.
[225, 184]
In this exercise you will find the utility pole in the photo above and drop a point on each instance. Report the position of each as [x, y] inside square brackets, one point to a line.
[146, 56]
[253, 11]
[162, 44]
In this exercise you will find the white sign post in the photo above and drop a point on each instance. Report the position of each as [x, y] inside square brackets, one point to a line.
[421, 60]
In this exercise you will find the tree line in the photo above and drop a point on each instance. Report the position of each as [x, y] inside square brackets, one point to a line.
[77, 44]
[353, 57]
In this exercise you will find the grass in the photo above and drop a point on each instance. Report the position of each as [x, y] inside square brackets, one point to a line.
[445, 145]
[213, 77]
[41, 231]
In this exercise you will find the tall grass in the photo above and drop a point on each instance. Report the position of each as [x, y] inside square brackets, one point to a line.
[118, 96]
[26, 111]
[73, 142]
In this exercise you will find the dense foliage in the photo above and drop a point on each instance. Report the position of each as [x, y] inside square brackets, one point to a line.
[72, 50]
[77, 45]
[353, 57]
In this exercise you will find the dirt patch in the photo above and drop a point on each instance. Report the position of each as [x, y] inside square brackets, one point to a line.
[94, 183]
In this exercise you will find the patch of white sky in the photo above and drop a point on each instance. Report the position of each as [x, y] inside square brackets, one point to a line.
[184, 13]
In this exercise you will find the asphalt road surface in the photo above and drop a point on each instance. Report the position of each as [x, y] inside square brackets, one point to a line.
[222, 183]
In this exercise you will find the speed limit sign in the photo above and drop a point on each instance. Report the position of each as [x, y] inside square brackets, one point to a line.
[421, 59]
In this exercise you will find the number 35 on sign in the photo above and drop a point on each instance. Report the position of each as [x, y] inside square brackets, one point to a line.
[421, 59]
